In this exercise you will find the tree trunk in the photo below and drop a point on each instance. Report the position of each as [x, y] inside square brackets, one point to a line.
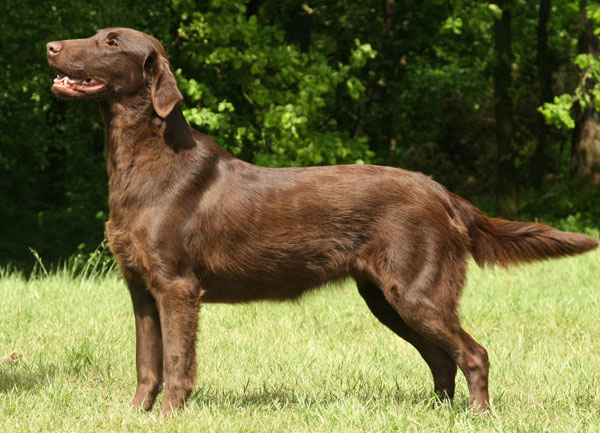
[297, 29]
[392, 68]
[506, 186]
[538, 163]
[586, 155]
[390, 17]
[586, 135]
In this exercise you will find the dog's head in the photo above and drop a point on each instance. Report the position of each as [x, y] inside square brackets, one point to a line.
[112, 64]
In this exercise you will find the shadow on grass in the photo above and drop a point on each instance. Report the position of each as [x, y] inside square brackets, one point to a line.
[20, 378]
[266, 398]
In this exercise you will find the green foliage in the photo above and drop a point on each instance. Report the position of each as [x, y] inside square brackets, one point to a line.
[593, 11]
[53, 177]
[588, 91]
[558, 113]
[283, 83]
[262, 97]
[571, 205]
[442, 127]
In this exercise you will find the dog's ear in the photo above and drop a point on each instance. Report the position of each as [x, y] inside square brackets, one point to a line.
[164, 92]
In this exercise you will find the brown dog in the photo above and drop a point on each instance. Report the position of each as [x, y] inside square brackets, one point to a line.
[189, 223]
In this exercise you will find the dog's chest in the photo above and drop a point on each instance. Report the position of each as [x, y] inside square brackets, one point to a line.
[129, 243]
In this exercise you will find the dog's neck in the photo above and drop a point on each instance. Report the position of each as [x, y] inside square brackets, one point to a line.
[139, 140]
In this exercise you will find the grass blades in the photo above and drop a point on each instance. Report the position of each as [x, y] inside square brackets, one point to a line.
[322, 364]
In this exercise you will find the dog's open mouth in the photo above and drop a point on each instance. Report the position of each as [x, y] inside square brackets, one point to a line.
[75, 86]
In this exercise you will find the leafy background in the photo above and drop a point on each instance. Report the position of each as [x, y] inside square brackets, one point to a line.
[281, 83]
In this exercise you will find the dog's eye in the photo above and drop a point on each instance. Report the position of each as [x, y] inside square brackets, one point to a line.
[112, 43]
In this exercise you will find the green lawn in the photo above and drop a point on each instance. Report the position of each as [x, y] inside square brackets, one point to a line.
[322, 364]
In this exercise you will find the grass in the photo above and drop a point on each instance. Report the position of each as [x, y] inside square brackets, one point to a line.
[322, 364]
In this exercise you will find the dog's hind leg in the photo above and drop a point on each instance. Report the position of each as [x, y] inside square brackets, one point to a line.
[422, 282]
[426, 312]
[442, 367]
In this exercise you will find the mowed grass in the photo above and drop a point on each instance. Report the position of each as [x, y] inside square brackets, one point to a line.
[322, 364]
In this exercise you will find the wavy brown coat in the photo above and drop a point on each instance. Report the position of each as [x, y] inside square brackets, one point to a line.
[189, 223]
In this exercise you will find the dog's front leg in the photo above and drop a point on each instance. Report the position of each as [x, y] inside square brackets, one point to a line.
[178, 305]
[148, 345]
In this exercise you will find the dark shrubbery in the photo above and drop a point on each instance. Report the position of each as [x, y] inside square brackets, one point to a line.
[286, 83]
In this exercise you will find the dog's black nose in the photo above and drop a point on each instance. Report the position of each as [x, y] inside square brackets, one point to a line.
[53, 48]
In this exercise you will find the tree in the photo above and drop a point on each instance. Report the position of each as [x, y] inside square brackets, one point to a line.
[538, 164]
[446, 87]
[586, 134]
[578, 110]
[506, 187]
[53, 182]
[268, 94]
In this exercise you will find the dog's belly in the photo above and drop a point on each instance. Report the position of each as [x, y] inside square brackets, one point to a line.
[268, 268]
[231, 291]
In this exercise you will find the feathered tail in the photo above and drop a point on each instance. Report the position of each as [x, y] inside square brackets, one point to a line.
[499, 241]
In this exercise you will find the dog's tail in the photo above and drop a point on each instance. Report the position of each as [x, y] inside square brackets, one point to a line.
[499, 241]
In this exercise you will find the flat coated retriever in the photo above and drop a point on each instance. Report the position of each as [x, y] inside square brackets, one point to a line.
[189, 223]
